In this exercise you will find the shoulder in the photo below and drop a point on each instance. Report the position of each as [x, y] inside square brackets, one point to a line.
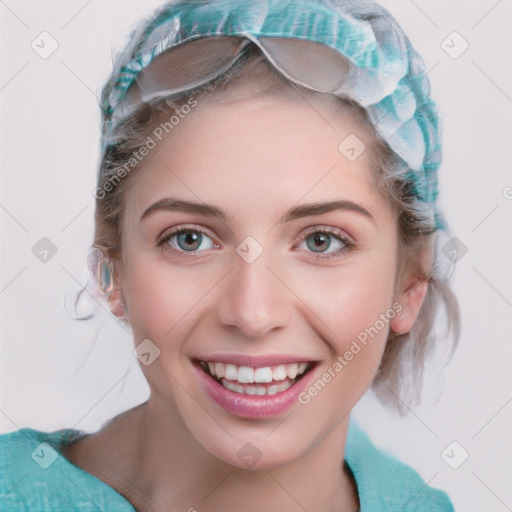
[385, 483]
[35, 476]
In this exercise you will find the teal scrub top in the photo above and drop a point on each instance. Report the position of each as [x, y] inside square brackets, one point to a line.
[35, 476]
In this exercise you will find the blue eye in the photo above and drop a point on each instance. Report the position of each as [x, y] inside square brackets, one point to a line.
[318, 242]
[327, 243]
[187, 240]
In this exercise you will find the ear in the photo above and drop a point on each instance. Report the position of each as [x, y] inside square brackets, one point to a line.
[413, 285]
[116, 299]
[411, 300]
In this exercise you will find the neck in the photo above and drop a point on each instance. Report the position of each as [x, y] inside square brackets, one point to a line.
[159, 463]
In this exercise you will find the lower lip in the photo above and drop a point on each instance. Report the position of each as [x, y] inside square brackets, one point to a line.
[252, 406]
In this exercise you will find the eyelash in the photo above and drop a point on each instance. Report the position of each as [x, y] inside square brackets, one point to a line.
[348, 244]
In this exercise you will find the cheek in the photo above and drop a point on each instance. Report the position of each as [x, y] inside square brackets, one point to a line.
[161, 298]
[351, 300]
[360, 303]
[351, 304]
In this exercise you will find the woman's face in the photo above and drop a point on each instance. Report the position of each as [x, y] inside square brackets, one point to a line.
[284, 255]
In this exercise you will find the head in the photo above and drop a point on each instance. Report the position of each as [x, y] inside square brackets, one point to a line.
[353, 290]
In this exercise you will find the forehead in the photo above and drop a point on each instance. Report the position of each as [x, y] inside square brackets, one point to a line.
[266, 149]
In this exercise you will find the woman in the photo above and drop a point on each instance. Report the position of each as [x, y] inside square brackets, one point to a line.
[267, 225]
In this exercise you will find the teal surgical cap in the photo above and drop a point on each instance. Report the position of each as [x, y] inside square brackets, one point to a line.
[358, 52]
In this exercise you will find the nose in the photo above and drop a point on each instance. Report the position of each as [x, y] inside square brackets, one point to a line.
[254, 301]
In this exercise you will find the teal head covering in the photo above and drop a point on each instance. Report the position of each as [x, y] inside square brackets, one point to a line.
[377, 67]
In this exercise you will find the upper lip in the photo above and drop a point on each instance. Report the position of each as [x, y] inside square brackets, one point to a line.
[253, 360]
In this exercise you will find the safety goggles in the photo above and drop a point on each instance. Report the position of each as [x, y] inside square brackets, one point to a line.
[201, 61]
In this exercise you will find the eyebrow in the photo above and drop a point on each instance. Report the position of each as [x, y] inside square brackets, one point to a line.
[297, 212]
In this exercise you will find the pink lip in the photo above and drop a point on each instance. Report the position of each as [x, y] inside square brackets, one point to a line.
[252, 406]
[252, 361]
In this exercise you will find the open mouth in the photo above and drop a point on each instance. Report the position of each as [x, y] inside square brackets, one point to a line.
[265, 380]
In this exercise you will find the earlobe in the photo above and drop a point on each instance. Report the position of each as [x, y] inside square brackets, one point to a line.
[117, 304]
[106, 277]
[411, 300]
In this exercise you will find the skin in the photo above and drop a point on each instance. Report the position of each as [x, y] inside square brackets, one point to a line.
[255, 158]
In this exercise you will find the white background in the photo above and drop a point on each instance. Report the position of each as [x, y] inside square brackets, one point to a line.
[53, 373]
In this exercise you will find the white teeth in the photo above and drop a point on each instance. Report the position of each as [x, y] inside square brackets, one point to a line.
[263, 374]
[248, 375]
[234, 387]
[279, 372]
[245, 374]
[230, 372]
[272, 390]
[219, 370]
[292, 369]
[257, 390]
[228, 384]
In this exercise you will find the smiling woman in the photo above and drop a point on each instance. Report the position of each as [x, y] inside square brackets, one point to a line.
[273, 246]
